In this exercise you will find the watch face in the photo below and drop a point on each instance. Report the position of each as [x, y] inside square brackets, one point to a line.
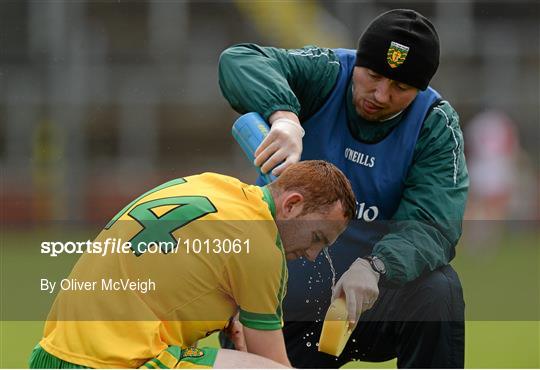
[379, 265]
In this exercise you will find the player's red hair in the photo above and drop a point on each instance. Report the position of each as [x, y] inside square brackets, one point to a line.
[321, 183]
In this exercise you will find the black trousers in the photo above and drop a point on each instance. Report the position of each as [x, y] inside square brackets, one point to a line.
[421, 324]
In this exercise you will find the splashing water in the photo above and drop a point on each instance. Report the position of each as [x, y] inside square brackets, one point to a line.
[327, 255]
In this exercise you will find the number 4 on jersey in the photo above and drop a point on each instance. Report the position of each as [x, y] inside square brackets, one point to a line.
[161, 217]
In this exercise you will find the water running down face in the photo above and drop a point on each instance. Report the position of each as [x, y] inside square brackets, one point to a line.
[305, 235]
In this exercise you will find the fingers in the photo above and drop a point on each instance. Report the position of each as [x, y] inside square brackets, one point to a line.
[267, 157]
[352, 307]
[237, 335]
[293, 158]
[357, 304]
[264, 150]
[239, 341]
[368, 303]
[272, 156]
[337, 291]
[281, 148]
[274, 160]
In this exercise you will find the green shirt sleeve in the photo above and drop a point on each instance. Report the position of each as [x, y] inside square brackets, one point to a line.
[427, 225]
[266, 79]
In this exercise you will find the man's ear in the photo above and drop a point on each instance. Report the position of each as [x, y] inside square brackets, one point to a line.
[292, 205]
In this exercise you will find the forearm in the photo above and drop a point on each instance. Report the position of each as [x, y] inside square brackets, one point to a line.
[253, 81]
[413, 247]
[266, 79]
[269, 344]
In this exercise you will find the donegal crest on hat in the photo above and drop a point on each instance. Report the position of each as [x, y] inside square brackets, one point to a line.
[396, 54]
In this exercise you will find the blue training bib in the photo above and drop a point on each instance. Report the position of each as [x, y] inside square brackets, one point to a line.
[377, 173]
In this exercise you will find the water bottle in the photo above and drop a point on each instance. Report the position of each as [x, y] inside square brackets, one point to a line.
[249, 130]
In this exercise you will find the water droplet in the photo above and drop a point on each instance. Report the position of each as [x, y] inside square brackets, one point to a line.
[353, 340]
[307, 300]
[329, 259]
[317, 344]
[308, 344]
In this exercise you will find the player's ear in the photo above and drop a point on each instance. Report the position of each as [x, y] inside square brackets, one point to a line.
[292, 204]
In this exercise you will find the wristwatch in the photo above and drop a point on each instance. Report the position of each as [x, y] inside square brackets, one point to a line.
[376, 264]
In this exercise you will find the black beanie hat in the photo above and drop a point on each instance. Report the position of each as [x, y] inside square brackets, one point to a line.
[402, 45]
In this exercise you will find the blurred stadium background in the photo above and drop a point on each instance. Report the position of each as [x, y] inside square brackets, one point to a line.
[100, 100]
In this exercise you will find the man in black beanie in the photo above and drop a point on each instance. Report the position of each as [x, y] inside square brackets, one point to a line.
[371, 112]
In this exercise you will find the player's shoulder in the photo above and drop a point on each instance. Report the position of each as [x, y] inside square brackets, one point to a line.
[441, 130]
[441, 113]
[217, 182]
[214, 178]
[444, 112]
[441, 120]
[314, 53]
[244, 201]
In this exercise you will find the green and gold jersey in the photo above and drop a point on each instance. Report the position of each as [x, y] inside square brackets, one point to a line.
[200, 249]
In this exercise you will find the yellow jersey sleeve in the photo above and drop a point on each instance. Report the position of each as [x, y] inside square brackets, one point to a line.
[257, 283]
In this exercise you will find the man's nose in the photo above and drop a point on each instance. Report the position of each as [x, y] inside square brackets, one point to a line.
[382, 91]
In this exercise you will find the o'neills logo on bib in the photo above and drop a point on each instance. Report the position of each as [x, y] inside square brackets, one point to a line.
[360, 158]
